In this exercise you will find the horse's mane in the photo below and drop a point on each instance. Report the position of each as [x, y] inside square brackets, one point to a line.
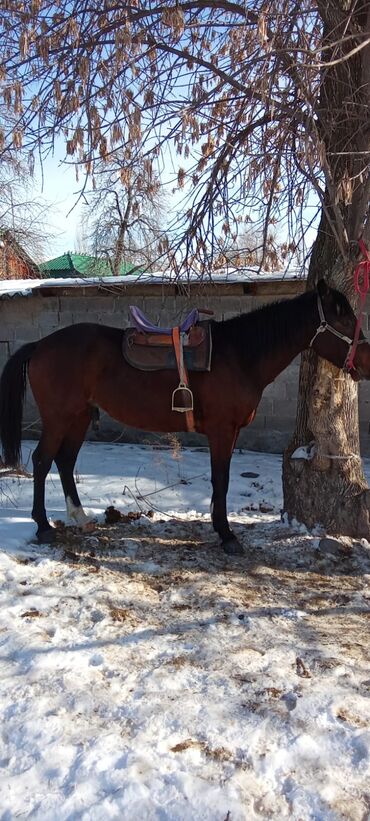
[258, 332]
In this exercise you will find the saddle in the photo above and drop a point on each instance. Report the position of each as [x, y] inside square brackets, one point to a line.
[187, 347]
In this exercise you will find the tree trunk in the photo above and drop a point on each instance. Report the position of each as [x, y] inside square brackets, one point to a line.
[328, 489]
[119, 251]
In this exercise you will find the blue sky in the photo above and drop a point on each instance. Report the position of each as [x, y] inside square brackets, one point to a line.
[59, 188]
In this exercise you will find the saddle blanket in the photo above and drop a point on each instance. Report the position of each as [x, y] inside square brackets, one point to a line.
[155, 352]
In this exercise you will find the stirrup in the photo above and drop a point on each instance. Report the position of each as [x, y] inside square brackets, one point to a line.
[186, 403]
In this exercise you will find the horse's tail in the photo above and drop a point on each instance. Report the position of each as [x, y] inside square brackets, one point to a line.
[12, 392]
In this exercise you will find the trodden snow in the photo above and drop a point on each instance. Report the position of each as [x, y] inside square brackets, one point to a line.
[146, 675]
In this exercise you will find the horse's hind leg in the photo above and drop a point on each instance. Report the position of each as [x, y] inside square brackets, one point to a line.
[42, 458]
[65, 461]
[222, 446]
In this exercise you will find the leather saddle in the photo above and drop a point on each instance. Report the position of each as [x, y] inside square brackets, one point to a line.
[151, 348]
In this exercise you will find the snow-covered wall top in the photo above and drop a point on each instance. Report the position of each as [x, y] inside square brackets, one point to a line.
[25, 287]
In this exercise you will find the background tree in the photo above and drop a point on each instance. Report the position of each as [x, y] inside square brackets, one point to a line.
[251, 251]
[267, 107]
[21, 213]
[125, 213]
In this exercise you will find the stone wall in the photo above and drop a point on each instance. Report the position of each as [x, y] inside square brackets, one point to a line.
[25, 318]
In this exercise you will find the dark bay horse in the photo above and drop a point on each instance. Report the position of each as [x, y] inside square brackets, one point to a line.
[81, 366]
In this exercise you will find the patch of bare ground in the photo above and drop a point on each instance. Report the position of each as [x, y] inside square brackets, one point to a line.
[178, 569]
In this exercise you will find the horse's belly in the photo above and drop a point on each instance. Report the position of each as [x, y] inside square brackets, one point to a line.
[144, 401]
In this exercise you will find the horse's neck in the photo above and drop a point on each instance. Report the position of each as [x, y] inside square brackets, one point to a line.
[301, 328]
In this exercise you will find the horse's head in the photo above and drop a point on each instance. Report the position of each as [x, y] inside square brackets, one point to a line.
[334, 337]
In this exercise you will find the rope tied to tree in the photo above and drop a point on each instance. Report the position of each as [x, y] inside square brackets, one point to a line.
[361, 277]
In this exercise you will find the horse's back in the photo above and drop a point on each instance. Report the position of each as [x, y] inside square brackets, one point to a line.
[80, 334]
[63, 368]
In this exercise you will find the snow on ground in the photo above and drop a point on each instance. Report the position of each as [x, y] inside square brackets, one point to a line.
[146, 675]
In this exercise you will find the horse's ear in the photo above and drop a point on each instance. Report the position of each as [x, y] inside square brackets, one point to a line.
[323, 288]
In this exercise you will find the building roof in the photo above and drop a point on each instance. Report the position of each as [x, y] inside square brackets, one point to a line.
[83, 265]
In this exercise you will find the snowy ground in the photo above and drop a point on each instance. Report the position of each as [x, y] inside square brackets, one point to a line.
[145, 675]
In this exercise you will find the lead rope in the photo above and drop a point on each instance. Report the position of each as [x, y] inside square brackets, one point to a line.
[361, 277]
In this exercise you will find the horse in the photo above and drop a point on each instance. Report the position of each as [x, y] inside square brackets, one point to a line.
[81, 367]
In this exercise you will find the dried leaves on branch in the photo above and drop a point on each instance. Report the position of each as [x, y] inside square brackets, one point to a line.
[258, 109]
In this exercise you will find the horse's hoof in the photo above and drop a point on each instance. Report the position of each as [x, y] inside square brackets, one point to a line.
[89, 527]
[233, 548]
[47, 536]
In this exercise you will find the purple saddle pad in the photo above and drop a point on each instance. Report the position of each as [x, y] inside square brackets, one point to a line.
[143, 324]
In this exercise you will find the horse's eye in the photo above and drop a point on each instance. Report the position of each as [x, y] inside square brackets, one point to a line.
[338, 309]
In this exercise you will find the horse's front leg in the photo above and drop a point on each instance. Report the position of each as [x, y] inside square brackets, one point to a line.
[221, 447]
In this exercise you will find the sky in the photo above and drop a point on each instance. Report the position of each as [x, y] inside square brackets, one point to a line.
[58, 186]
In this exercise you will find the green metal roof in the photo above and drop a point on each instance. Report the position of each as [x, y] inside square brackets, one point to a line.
[84, 265]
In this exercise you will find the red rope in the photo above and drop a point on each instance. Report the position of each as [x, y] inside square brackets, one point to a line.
[361, 277]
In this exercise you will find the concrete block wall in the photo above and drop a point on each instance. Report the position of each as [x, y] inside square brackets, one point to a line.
[26, 318]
